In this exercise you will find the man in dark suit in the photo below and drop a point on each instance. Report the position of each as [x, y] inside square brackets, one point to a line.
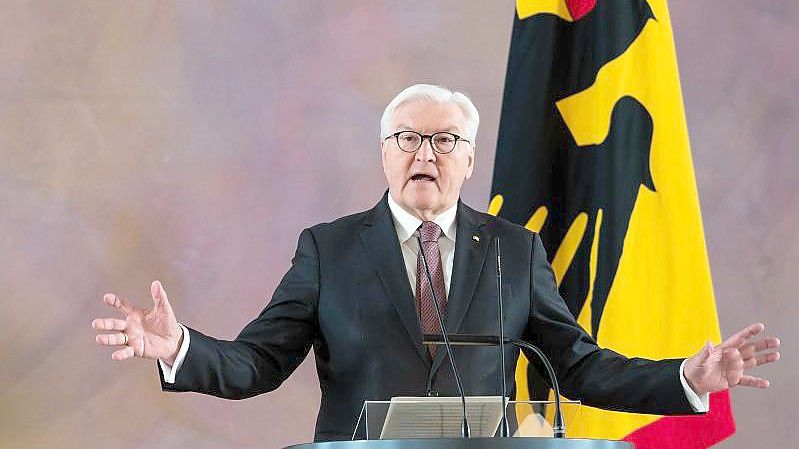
[358, 294]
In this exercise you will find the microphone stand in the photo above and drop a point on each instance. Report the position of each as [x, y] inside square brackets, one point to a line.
[504, 429]
[464, 423]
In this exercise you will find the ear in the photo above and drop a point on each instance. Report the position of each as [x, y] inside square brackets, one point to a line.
[470, 166]
[383, 150]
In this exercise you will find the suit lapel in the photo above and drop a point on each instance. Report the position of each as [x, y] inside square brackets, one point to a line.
[471, 247]
[382, 247]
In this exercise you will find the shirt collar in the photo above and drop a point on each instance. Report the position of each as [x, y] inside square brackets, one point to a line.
[407, 224]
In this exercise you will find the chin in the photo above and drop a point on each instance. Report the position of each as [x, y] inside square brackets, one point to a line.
[423, 200]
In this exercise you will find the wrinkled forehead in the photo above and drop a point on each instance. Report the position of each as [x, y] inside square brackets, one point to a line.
[429, 117]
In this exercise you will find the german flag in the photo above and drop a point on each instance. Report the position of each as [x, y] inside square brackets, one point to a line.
[593, 153]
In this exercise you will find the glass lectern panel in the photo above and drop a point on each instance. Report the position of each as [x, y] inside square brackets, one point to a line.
[440, 417]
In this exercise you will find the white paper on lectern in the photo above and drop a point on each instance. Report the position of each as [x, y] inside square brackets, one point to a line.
[440, 417]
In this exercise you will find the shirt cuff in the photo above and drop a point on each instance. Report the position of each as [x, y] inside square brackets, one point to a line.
[700, 404]
[171, 371]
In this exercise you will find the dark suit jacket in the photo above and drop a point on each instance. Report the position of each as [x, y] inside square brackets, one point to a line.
[347, 294]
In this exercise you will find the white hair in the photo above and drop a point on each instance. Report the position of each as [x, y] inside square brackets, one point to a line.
[438, 94]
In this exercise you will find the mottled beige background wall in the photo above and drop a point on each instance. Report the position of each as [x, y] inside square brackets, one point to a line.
[192, 141]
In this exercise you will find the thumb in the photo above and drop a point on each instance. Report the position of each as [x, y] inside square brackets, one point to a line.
[159, 294]
[705, 352]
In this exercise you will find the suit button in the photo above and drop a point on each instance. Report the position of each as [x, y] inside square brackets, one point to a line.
[432, 392]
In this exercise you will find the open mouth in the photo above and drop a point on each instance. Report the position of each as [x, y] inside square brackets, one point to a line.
[422, 178]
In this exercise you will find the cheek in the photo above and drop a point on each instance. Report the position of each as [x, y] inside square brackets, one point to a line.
[457, 172]
[394, 168]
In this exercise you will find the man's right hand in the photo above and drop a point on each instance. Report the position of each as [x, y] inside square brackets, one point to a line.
[149, 333]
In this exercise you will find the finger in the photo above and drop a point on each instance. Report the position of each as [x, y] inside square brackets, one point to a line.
[739, 338]
[108, 324]
[123, 354]
[752, 381]
[749, 349]
[761, 359]
[115, 339]
[767, 343]
[114, 300]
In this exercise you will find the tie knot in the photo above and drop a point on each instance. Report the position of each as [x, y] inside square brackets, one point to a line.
[429, 231]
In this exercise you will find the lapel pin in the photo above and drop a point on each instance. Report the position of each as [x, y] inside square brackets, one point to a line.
[475, 238]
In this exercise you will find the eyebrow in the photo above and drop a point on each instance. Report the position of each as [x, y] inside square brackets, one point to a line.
[448, 129]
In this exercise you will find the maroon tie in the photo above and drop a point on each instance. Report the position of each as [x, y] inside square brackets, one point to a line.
[430, 232]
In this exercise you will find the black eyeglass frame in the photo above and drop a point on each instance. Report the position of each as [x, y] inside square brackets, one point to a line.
[428, 137]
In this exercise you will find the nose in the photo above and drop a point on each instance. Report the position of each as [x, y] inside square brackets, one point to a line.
[425, 152]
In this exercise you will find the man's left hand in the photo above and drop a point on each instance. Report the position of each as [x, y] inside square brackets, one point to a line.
[716, 368]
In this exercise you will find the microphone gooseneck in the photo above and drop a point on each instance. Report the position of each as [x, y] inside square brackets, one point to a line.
[504, 429]
[558, 427]
[464, 423]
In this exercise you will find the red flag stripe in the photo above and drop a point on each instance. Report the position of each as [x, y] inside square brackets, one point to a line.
[579, 8]
[688, 432]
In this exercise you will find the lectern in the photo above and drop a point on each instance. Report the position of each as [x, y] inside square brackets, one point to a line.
[470, 443]
[430, 423]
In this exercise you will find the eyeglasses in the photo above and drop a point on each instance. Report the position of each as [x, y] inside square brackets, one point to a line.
[442, 142]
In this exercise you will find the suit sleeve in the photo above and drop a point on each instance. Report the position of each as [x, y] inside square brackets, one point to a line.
[598, 377]
[269, 348]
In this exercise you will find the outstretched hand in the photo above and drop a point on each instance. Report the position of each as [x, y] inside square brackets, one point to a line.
[149, 333]
[716, 368]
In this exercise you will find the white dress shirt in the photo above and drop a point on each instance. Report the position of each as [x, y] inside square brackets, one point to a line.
[407, 226]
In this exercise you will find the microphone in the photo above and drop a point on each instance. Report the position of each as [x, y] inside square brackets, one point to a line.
[504, 429]
[464, 423]
[491, 340]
